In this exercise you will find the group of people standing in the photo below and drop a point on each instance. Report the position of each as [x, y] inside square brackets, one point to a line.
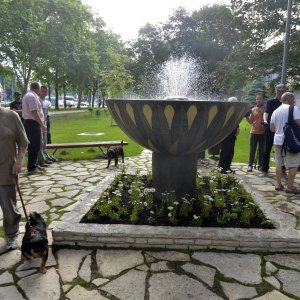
[23, 126]
[268, 120]
[33, 110]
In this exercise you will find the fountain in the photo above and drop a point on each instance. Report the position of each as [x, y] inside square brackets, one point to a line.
[175, 129]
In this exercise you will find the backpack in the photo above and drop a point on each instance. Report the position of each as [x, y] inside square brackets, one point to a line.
[291, 132]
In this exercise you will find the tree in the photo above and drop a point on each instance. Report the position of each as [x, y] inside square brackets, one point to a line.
[117, 78]
[255, 87]
[22, 26]
[262, 23]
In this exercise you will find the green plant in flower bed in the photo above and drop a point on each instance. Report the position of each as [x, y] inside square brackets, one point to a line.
[219, 201]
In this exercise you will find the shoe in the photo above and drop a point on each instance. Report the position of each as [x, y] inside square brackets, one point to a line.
[43, 165]
[279, 188]
[264, 174]
[293, 190]
[48, 162]
[34, 171]
[213, 157]
[249, 169]
[12, 243]
[41, 168]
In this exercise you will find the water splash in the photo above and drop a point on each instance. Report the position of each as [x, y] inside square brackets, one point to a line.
[182, 77]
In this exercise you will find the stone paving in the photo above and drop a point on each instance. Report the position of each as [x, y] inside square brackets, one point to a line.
[141, 274]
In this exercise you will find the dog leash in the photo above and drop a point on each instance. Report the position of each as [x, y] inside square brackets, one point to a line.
[23, 205]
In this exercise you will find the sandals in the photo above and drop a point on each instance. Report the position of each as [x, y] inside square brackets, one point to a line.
[279, 188]
[293, 190]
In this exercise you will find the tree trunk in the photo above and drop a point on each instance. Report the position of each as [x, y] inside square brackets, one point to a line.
[56, 90]
[64, 91]
[79, 98]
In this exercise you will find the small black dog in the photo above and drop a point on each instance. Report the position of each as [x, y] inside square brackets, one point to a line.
[114, 153]
[35, 241]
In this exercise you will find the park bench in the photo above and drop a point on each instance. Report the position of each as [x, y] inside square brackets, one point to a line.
[100, 145]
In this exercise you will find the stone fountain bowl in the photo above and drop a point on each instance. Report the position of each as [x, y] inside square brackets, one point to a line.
[176, 127]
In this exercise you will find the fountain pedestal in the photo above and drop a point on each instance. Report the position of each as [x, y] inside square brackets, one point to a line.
[174, 173]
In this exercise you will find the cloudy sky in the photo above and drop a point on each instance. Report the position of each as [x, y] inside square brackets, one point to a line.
[125, 17]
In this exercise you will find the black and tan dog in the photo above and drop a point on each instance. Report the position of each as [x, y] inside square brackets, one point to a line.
[35, 241]
[114, 153]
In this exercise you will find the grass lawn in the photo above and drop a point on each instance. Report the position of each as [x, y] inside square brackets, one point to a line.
[66, 127]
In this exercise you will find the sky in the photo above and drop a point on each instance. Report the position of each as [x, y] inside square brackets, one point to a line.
[126, 17]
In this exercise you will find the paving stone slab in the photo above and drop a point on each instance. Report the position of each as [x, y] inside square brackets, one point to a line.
[35, 263]
[270, 268]
[5, 278]
[21, 274]
[290, 281]
[144, 268]
[99, 281]
[274, 295]
[61, 202]
[288, 260]
[113, 262]
[273, 281]
[41, 286]
[40, 207]
[235, 291]
[130, 286]
[170, 286]
[68, 263]
[42, 197]
[79, 292]
[10, 293]
[69, 194]
[9, 259]
[169, 255]
[160, 266]
[205, 274]
[85, 270]
[243, 267]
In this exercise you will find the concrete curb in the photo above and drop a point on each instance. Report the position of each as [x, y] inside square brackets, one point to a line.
[284, 238]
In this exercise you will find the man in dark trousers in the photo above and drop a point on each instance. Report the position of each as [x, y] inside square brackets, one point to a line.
[270, 107]
[33, 123]
[227, 148]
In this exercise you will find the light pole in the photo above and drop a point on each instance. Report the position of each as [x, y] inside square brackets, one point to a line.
[286, 42]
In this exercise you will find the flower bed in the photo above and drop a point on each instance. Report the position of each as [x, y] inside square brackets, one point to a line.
[218, 201]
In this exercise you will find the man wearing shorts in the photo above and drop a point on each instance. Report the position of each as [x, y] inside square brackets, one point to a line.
[290, 160]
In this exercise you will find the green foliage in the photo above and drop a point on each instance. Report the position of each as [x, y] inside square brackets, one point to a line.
[255, 87]
[130, 200]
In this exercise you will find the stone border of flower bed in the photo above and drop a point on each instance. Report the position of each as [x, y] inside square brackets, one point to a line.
[69, 232]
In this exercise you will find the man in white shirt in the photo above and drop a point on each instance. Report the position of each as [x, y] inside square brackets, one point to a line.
[32, 114]
[290, 160]
[42, 155]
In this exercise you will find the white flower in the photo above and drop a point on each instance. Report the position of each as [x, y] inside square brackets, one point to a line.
[170, 207]
[196, 217]
[130, 191]
[151, 212]
[209, 198]
[169, 215]
[176, 202]
[145, 203]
